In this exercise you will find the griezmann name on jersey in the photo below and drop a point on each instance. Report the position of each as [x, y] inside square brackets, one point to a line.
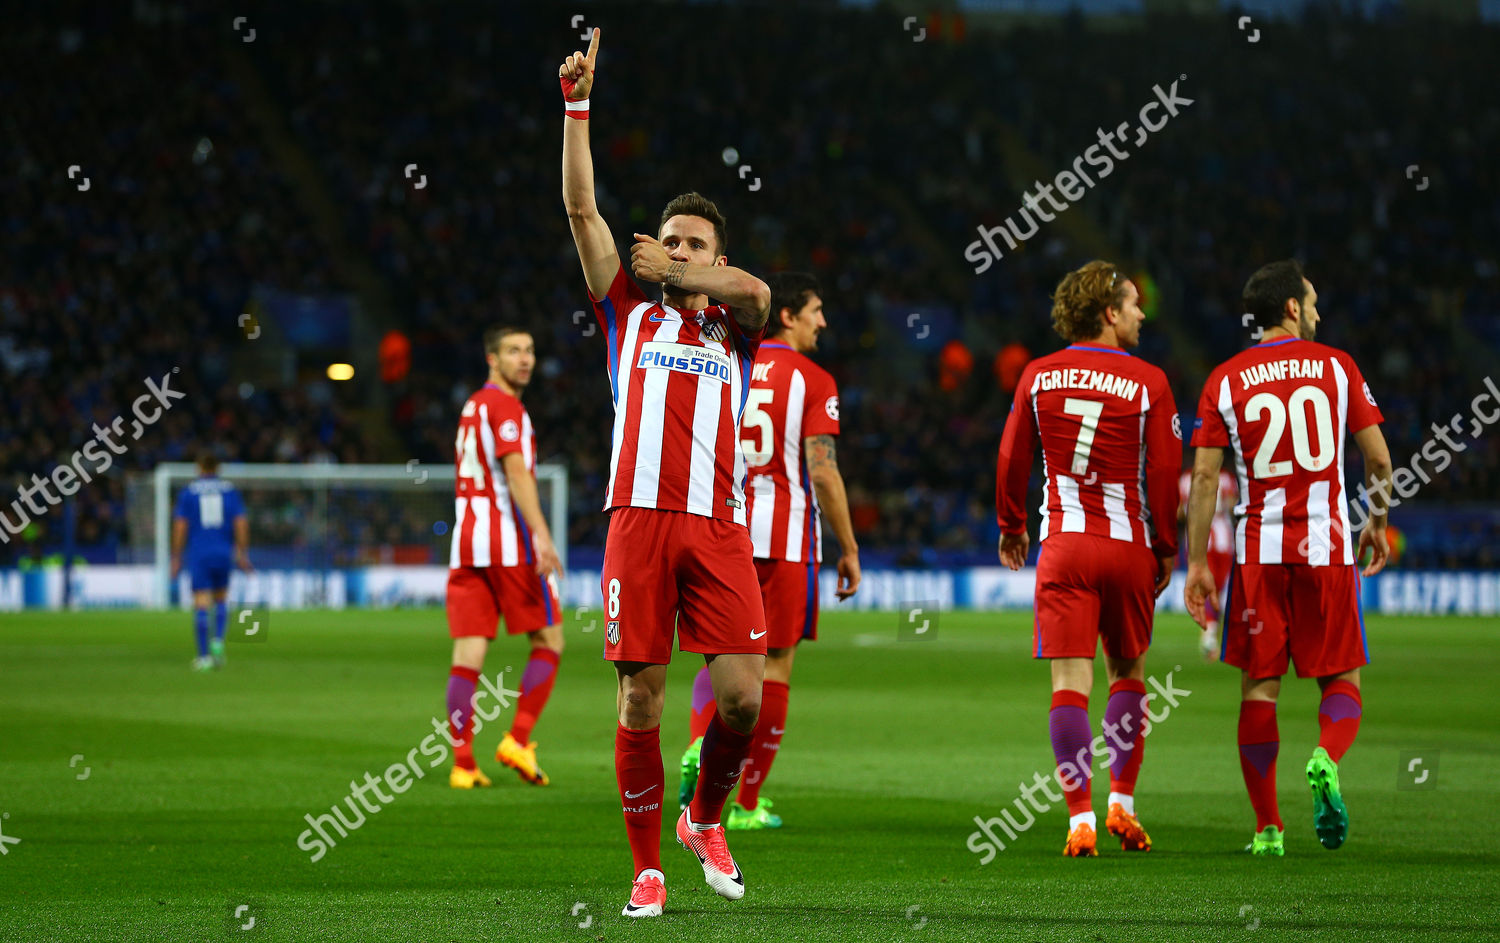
[1285, 407]
[488, 528]
[791, 398]
[1111, 447]
[679, 381]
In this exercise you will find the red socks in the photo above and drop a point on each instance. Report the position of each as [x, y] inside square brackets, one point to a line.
[536, 687]
[639, 772]
[1259, 744]
[1338, 718]
[719, 768]
[767, 741]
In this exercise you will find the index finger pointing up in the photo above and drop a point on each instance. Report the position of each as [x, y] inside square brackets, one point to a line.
[593, 49]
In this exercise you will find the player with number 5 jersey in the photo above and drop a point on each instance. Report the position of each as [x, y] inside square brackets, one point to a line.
[1283, 408]
[677, 555]
[1111, 445]
[788, 432]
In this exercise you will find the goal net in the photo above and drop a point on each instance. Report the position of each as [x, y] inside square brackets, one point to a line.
[328, 534]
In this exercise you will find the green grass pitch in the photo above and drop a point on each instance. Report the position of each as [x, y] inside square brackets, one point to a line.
[151, 802]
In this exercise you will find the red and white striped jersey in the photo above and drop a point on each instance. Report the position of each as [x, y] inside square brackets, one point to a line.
[1221, 533]
[488, 529]
[679, 380]
[1111, 447]
[1284, 408]
[791, 398]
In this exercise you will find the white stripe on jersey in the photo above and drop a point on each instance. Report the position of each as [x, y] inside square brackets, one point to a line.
[791, 457]
[1114, 508]
[1340, 501]
[705, 443]
[460, 507]
[737, 400]
[764, 507]
[1072, 508]
[1272, 507]
[500, 487]
[644, 489]
[480, 506]
[1319, 522]
[1237, 448]
[1046, 473]
[1140, 479]
[622, 398]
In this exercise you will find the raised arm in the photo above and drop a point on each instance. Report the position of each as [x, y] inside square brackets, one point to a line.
[823, 469]
[596, 246]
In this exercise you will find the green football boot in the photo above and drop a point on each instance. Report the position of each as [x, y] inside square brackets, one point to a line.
[216, 651]
[1267, 842]
[689, 782]
[741, 819]
[1330, 817]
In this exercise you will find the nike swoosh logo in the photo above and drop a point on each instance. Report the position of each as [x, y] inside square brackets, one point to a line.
[756, 635]
[657, 319]
[777, 731]
[637, 795]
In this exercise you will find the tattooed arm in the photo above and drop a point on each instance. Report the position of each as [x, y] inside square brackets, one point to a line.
[823, 469]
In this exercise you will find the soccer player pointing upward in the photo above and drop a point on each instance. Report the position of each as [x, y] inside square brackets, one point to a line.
[678, 549]
[1111, 446]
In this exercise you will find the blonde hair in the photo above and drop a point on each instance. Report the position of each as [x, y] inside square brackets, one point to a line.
[1080, 299]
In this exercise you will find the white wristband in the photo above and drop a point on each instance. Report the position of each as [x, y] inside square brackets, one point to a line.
[578, 109]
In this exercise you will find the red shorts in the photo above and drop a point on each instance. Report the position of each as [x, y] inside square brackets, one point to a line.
[1309, 614]
[479, 595]
[662, 567]
[789, 594]
[1091, 588]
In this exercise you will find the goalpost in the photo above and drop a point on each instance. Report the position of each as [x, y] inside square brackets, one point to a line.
[327, 516]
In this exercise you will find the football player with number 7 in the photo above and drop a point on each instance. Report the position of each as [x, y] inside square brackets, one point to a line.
[1111, 445]
[678, 549]
[1283, 408]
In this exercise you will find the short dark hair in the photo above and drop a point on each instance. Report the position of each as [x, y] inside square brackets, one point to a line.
[208, 462]
[789, 290]
[696, 204]
[1268, 289]
[500, 332]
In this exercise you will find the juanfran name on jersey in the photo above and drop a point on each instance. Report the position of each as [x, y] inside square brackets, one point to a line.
[685, 358]
[1304, 368]
[1073, 378]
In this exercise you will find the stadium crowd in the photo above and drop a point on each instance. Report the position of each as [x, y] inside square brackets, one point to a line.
[871, 167]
